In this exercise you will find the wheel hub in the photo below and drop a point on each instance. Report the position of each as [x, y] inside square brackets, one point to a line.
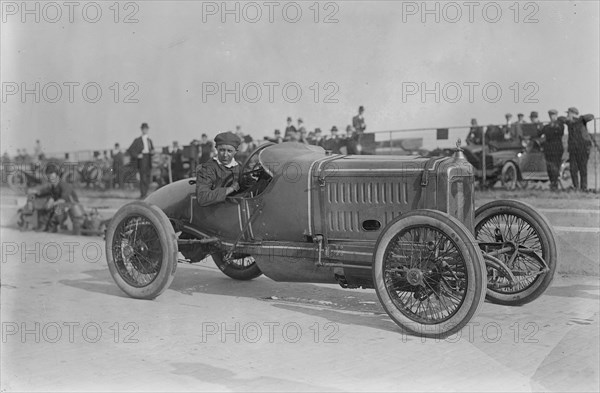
[128, 251]
[414, 277]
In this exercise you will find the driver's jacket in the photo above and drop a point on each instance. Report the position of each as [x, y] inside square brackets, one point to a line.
[212, 180]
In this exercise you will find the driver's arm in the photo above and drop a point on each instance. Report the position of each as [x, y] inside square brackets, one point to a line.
[208, 179]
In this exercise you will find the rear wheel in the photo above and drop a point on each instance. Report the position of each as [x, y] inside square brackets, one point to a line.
[428, 273]
[523, 240]
[141, 250]
[238, 267]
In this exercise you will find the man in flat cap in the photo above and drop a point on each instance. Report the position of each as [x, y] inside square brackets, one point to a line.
[552, 134]
[62, 197]
[218, 177]
[141, 151]
[579, 145]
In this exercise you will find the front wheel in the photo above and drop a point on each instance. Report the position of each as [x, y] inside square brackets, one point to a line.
[428, 273]
[523, 240]
[238, 267]
[141, 250]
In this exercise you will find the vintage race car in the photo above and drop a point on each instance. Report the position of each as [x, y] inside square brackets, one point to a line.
[404, 226]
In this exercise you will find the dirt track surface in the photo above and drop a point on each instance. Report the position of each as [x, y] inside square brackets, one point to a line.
[68, 326]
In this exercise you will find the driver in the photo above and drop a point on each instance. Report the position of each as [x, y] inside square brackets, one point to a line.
[218, 177]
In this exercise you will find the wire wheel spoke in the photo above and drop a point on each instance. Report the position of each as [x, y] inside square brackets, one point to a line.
[137, 251]
[241, 262]
[516, 229]
[425, 274]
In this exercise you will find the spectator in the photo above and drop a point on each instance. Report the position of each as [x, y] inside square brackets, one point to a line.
[317, 138]
[289, 129]
[25, 157]
[516, 130]
[118, 163]
[302, 135]
[245, 148]
[358, 121]
[141, 151]
[206, 149]
[507, 126]
[534, 119]
[37, 151]
[351, 141]
[62, 196]
[579, 145]
[293, 136]
[301, 129]
[333, 141]
[551, 135]
[177, 162]
[475, 134]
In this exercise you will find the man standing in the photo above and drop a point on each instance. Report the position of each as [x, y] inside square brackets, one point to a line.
[289, 130]
[301, 129]
[118, 162]
[475, 134]
[580, 143]
[358, 121]
[217, 178]
[176, 162]
[534, 119]
[141, 150]
[552, 134]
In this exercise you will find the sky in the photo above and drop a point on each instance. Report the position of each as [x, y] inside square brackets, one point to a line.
[102, 68]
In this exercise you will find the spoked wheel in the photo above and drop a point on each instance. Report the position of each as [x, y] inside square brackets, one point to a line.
[523, 240]
[141, 250]
[428, 273]
[509, 176]
[238, 267]
[17, 181]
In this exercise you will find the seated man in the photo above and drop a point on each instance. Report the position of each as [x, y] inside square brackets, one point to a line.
[62, 197]
[213, 177]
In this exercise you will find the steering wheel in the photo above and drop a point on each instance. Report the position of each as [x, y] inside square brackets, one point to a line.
[252, 169]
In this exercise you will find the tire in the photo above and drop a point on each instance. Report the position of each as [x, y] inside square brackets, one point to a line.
[241, 267]
[405, 282]
[18, 181]
[510, 175]
[141, 250]
[540, 239]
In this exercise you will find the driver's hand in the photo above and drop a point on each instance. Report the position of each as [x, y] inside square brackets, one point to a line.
[233, 188]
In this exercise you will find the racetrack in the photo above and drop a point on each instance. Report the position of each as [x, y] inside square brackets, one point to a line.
[65, 323]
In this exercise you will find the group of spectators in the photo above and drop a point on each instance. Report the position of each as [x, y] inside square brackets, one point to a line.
[347, 143]
[579, 142]
[23, 157]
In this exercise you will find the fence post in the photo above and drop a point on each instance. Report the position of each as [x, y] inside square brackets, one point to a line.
[391, 149]
[483, 165]
[595, 156]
